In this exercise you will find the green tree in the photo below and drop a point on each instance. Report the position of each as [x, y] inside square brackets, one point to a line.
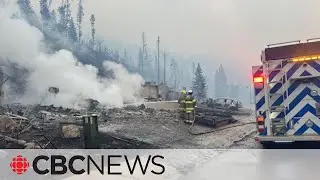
[234, 91]
[53, 17]
[80, 15]
[221, 87]
[116, 56]
[63, 23]
[140, 57]
[199, 84]
[67, 11]
[124, 59]
[45, 12]
[28, 12]
[93, 30]
[72, 31]
[193, 67]
[174, 68]
[25, 7]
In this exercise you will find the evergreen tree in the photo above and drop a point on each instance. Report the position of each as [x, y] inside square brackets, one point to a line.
[174, 73]
[156, 66]
[140, 57]
[117, 56]
[63, 23]
[45, 12]
[68, 10]
[93, 30]
[99, 44]
[25, 7]
[72, 31]
[144, 60]
[221, 87]
[28, 12]
[193, 68]
[65, 17]
[53, 21]
[234, 91]
[53, 17]
[80, 15]
[125, 57]
[199, 84]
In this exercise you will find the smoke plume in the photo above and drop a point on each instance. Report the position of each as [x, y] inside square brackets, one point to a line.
[22, 44]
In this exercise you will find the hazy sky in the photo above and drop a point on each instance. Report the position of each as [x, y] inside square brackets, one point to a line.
[233, 31]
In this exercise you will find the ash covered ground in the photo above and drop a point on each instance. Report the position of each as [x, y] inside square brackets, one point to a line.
[129, 127]
[163, 129]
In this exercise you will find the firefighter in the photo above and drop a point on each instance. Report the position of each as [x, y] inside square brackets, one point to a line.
[189, 108]
[181, 102]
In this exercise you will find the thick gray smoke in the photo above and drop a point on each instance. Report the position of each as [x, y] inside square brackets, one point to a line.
[22, 44]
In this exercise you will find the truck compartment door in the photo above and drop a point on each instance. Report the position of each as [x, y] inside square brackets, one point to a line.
[303, 107]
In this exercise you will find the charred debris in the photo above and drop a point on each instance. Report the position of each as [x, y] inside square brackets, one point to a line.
[50, 127]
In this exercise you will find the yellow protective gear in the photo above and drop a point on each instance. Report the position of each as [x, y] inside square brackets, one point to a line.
[190, 104]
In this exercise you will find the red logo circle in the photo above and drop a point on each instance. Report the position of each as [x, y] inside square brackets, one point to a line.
[19, 164]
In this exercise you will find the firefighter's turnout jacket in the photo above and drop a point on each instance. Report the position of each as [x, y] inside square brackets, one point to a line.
[190, 104]
[181, 102]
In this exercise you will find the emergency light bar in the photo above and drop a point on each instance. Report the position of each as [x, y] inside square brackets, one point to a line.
[305, 58]
[292, 51]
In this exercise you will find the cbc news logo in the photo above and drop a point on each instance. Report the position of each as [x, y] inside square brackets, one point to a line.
[19, 164]
[59, 164]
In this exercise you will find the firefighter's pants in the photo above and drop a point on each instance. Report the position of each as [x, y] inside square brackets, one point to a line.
[181, 113]
[189, 117]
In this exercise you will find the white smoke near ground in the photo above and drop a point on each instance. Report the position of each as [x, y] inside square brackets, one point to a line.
[22, 44]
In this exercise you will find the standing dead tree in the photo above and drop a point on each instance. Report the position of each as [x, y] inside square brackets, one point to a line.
[3, 79]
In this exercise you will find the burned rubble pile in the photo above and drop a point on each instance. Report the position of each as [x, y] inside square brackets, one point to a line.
[26, 126]
[134, 127]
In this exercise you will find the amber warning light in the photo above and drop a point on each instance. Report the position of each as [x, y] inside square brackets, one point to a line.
[305, 58]
[258, 82]
[258, 79]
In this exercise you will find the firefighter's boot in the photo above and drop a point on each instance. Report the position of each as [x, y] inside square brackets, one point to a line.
[189, 118]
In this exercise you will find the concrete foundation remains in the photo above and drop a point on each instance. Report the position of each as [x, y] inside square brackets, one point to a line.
[163, 105]
[150, 91]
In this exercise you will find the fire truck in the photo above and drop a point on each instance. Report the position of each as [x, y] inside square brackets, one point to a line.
[286, 89]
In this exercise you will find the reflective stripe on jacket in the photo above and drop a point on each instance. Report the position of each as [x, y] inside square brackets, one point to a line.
[181, 102]
[190, 104]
